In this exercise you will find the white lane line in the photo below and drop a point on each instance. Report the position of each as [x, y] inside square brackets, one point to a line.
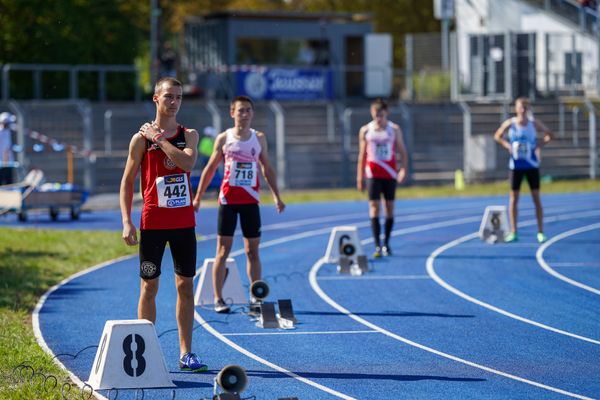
[298, 333]
[35, 319]
[576, 264]
[290, 238]
[261, 360]
[540, 257]
[372, 277]
[447, 286]
[315, 285]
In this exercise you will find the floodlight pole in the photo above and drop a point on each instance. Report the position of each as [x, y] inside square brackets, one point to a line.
[154, 14]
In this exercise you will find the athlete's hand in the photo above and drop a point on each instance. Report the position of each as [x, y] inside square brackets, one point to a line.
[279, 205]
[196, 204]
[150, 131]
[360, 185]
[129, 234]
[401, 175]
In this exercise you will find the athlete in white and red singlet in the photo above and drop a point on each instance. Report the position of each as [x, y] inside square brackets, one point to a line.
[379, 142]
[244, 151]
[166, 153]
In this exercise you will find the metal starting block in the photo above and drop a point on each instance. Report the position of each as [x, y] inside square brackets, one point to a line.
[363, 263]
[344, 264]
[286, 316]
[267, 317]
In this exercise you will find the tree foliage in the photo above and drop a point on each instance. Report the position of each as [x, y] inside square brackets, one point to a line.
[117, 31]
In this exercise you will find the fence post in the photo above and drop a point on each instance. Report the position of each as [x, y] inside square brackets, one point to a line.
[20, 114]
[212, 108]
[466, 139]
[280, 145]
[108, 132]
[85, 111]
[592, 138]
[347, 126]
[409, 137]
[408, 46]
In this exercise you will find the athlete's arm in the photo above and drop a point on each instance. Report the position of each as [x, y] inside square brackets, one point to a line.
[362, 152]
[209, 171]
[184, 159]
[403, 171]
[498, 136]
[132, 166]
[269, 173]
[547, 133]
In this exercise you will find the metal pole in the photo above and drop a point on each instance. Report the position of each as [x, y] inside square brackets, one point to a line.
[280, 143]
[466, 139]
[445, 27]
[18, 112]
[598, 49]
[592, 139]
[108, 132]
[212, 108]
[508, 56]
[547, 61]
[154, 14]
[347, 124]
[408, 44]
[5, 82]
[330, 122]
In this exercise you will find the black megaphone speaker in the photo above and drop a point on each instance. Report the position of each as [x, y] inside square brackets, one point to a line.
[232, 379]
[259, 290]
[346, 248]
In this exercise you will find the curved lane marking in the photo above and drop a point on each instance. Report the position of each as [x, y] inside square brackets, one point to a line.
[315, 285]
[540, 257]
[447, 286]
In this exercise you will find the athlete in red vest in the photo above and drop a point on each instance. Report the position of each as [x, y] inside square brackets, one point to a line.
[244, 151]
[379, 142]
[165, 152]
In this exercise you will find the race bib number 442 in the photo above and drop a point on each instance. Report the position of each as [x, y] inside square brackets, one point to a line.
[243, 174]
[173, 191]
[383, 151]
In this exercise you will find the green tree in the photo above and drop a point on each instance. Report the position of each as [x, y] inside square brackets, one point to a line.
[71, 32]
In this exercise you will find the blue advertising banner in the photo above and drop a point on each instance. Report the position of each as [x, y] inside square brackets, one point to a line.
[285, 84]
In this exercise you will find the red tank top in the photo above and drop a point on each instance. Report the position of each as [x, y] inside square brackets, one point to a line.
[381, 152]
[165, 189]
[240, 179]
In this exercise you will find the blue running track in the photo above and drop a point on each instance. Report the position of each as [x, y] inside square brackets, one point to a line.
[447, 316]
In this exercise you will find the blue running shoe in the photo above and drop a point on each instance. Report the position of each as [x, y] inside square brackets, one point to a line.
[190, 362]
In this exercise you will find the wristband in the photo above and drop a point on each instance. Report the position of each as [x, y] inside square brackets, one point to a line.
[156, 137]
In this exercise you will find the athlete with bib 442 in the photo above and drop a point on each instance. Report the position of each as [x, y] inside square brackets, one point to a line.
[165, 152]
[379, 142]
[244, 151]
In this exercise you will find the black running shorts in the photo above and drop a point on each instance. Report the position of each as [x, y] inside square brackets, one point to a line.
[377, 186]
[249, 219]
[182, 243]
[516, 177]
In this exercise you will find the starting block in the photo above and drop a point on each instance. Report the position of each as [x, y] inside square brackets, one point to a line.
[494, 225]
[232, 287]
[267, 317]
[343, 242]
[286, 312]
[129, 357]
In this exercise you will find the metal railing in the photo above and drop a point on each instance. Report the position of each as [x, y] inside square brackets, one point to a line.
[38, 70]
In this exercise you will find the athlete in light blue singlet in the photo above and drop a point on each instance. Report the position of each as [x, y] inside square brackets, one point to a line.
[522, 146]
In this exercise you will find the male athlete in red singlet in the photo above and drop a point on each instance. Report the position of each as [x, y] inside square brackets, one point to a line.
[244, 151]
[379, 141]
[166, 152]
